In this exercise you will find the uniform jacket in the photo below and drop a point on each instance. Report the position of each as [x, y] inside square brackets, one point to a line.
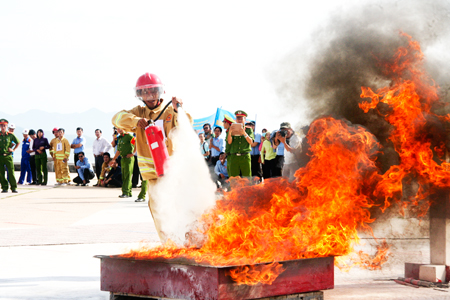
[62, 151]
[25, 148]
[127, 120]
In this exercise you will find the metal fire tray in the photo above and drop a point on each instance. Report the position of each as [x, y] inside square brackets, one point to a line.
[184, 279]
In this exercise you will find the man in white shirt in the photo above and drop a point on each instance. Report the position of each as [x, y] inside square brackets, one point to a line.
[100, 146]
[292, 144]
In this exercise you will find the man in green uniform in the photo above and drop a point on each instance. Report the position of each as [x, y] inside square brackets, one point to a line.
[240, 139]
[7, 140]
[125, 149]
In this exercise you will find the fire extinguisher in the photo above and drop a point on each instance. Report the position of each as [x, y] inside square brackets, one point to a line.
[155, 140]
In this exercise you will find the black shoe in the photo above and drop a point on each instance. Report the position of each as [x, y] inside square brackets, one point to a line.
[85, 184]
[44, 184]
[78, 184]
[4, 191]
[14, 191]
[139, 200]
[96, 184]
[33, 183]
[124, 196]
[134, 186]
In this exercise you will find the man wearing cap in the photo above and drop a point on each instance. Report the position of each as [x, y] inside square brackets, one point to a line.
[255, 153]
[53, 145]
[240, 139]
[32, 135]
[7, 140]
[62, 158]
[292, 144]
[25, 167]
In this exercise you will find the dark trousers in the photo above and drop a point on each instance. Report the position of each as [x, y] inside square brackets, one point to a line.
[98, 165]
[33, 169]
[116, 180]
[25, 170]
[279, 162]
[214, 160]
[268, 168]
[136, 173]
[256, 166]
[75, 158]
[88, 175]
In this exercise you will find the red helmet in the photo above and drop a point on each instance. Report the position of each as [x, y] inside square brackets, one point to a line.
[149, 84]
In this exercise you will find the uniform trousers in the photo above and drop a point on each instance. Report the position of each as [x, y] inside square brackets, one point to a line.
[256, 166]
[41, 168]
[239, 165]
[144, 189]
[33, 169]
[25, 169]
[57, 167]
[62, 171]
[157, 216]
[127, 173]
[7, 161]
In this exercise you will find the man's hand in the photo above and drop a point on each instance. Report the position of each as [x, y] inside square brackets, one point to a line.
[222, 176]
[281, 138]
[38, 151]
[41, 148]
[112, 162]
[176, 101]
[142, 123]
[77, 167]
[129, 155]
[11, 150]
[29, 151]
[65, 160]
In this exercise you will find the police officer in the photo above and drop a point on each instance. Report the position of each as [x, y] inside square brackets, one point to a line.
[240, 139]
[125, 149]
[7, 140]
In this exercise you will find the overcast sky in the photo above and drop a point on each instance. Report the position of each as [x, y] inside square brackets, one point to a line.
[71, 56]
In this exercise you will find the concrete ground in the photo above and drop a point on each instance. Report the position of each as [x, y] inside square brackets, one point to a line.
[49, 235]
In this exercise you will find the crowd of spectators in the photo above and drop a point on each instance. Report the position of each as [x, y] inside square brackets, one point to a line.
[36, 151]
[273, 153]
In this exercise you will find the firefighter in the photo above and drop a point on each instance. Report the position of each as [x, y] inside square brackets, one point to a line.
[62, 157]
[52, 151]
[149, 90]
[240, 139]
[7, 142]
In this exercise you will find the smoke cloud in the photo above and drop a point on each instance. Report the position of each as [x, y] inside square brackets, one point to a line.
[325, 76]
[186, 190]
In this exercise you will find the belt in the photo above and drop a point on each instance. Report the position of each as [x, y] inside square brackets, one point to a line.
[6, 154]
[240, 154]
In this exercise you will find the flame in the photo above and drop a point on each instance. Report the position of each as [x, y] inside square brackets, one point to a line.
[410, 98]
[319, 213]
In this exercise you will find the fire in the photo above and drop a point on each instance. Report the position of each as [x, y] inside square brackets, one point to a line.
[319, 213]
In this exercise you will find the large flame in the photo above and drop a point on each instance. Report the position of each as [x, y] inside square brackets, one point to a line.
[320, 212]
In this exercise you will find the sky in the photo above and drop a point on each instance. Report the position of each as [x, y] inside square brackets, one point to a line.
[63, 56]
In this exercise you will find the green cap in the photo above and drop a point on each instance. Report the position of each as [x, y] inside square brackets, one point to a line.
[3, 121]
[285, 125]
[228, 119]
[240, 113]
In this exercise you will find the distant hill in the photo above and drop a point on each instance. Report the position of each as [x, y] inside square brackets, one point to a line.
[38, 119]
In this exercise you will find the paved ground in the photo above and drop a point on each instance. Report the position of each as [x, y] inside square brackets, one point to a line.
[48, 237]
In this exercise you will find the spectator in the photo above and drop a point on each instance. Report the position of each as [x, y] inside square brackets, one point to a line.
[85, 172]
[292, 144]
[32, 135]
[216, 145]
[279, 160]
[126, 149]
[100, 146]
[255, 153]
[40, 145]
[25, 168]
[62, 157]
[208, 133]
[221, 171]
[305, 155]
[268, 156]
[7, 141]
[204, 149]
[114, 176]
[78, 144]
[240, 141]
[264, 130]
[105, 168]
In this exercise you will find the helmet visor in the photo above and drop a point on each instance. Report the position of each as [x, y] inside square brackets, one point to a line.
[149, 92]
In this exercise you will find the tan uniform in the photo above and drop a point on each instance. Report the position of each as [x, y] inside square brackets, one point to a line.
[127, 120]
[59, 150]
